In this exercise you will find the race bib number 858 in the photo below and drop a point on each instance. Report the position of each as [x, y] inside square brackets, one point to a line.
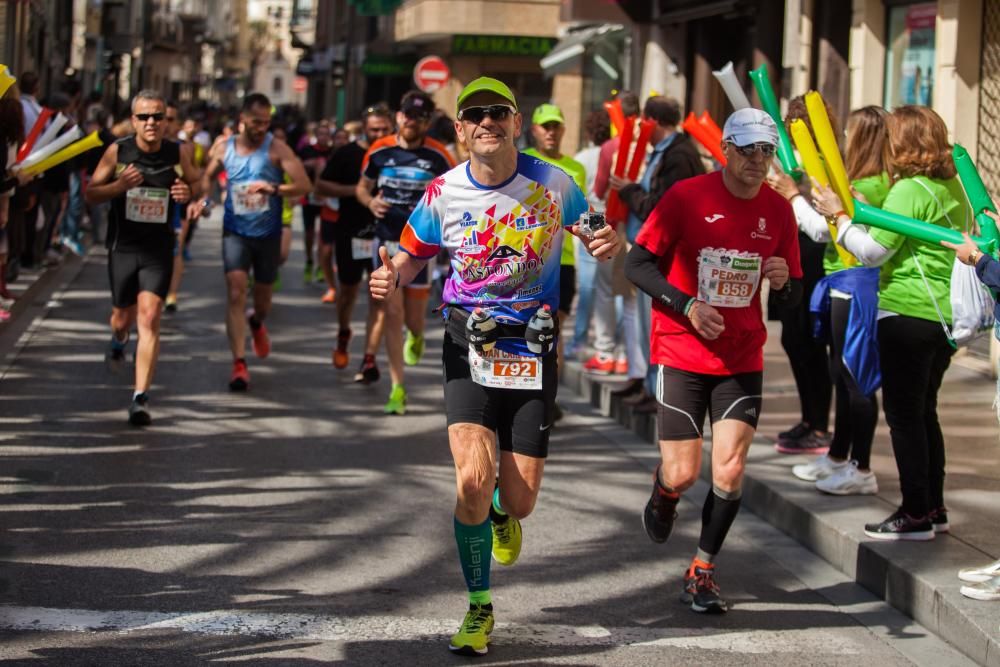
[727, 278]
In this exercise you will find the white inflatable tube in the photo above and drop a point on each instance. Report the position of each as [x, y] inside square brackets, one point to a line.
[50, 132]
[727, 79]
[53, 147]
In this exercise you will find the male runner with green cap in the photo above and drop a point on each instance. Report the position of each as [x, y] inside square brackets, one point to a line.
[501, 217]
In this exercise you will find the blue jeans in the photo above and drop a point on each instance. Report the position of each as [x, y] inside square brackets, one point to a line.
[586, 268]
[74, 209]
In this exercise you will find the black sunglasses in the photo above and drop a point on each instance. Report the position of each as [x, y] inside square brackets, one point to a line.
[767, 150]
[417, 114]
[476, 115]
[158, 116]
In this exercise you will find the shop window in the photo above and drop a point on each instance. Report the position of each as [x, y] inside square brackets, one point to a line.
[909, 58]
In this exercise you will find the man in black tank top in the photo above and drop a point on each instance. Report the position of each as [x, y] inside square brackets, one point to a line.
[144, 176]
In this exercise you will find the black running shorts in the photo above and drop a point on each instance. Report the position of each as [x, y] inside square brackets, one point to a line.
[241, 253]
[685, 397]
[521, 419]
[134, 271]
[350, 270]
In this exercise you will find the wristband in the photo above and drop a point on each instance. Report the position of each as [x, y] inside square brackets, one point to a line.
[688, 306]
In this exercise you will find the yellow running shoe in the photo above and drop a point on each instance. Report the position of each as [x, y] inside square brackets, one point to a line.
[474, 635]
[397, 401]
[506, 541]
[413, 349]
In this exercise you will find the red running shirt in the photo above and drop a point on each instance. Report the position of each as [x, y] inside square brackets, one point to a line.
[712, 244]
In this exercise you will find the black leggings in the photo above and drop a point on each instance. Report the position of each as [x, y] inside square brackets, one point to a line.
[915, 354]
[810, 365]
[857, 414]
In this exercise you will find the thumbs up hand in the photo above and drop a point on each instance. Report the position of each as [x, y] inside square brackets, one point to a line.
[383, 281]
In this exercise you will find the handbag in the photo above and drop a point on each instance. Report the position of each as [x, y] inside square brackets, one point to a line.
[971, 302]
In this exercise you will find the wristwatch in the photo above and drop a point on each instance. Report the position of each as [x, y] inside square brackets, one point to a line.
[974, 256]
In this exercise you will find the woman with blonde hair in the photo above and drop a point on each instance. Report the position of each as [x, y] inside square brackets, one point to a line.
[914, 313]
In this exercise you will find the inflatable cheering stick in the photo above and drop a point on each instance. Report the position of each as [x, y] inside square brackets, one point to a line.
[734, 91]
[36, 131]
[865, 214]
[6, 80]
[976, 191]
[703, 135]
[68, 153]
[813, 165]
[767, 99]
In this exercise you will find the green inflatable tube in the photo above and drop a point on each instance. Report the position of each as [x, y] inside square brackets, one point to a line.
[976, 191]
[916, 229]
[786, 155]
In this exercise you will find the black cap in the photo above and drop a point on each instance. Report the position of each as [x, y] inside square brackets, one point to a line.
[416, 100]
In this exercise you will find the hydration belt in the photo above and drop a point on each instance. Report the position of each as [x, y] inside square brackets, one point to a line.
[458, 316]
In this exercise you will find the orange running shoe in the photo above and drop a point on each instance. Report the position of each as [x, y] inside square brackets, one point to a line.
[240, 380]
[340, 356]
[330, 296]
[261, 341]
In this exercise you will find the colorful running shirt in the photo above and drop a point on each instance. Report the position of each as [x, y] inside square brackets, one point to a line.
[402, 174]
[504, 241]
[251, 215]
[579, 176]
[713, 245]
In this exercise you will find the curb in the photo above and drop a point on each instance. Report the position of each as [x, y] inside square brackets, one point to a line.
[27, 312]
[918, 579]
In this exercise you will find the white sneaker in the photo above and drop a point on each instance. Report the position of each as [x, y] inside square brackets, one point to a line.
[977, 575]
[820, 467]
[988, 590]
[849, 481]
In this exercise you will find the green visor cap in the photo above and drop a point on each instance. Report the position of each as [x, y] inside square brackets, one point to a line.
[486, 84]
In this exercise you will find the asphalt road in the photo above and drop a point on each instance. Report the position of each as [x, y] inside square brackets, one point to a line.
[296, 524]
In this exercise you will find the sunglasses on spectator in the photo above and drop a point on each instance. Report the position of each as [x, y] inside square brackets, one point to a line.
[767, 150]
[476, 115]
[417, 114]
[158, 116]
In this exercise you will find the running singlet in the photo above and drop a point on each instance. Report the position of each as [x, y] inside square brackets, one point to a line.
[141, 218]
[713, 245]
[254, 215]
[402, 174]
[504, 241]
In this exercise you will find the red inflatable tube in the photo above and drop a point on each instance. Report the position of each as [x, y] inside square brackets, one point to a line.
[614, 109]
[36, 131]
[701, 134]
[715, 132]
[639, 154]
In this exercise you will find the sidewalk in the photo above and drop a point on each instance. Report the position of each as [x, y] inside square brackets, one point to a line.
[917, 578]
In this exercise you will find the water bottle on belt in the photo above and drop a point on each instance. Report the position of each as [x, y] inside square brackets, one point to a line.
[541, 332]
[481, 330]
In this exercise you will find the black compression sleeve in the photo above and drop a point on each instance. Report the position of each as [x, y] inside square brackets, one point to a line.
[642, 268]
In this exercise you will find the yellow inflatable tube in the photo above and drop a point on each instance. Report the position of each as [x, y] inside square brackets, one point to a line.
[829, 148]
[68, 153]
[6, 80]
[817, 172]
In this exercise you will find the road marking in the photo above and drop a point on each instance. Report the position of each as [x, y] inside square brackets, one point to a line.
[398, 628]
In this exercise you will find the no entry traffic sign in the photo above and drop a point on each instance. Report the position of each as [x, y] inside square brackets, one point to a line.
[431, 73]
